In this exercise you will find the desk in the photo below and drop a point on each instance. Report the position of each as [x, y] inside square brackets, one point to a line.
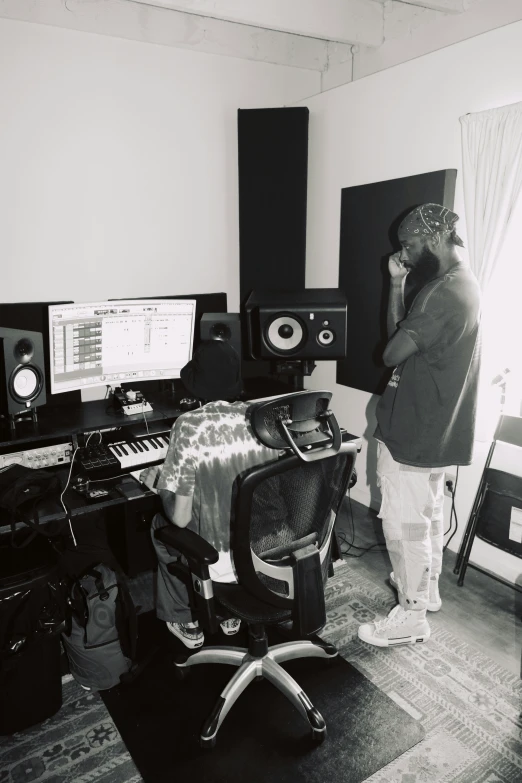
[125, 520]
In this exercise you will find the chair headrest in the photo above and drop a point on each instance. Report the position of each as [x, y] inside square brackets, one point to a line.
[297, 421]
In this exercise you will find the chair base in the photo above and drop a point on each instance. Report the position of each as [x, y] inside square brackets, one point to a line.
[255, 663]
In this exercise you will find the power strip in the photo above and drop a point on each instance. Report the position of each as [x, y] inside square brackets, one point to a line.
[131, 409]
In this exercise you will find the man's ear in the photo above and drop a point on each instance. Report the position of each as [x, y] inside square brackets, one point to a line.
[434, 241]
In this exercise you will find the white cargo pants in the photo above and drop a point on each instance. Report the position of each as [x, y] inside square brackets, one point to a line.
[413, 525]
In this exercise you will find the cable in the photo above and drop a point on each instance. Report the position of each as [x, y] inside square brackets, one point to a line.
[452, 512]
[144, 417]
[342, 537]
[67, 512]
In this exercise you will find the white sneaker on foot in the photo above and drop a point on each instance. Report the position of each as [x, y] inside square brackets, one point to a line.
[400, 627]
[434, 600]
[230, 626]
[189, 633]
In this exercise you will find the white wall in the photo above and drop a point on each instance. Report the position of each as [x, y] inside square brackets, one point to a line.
[396, 123]
[118, 164]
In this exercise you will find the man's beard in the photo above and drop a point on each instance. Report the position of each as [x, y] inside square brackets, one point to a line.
[426, 268]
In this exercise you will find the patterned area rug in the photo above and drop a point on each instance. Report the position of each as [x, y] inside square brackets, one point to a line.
[469, 706]
[80, 744]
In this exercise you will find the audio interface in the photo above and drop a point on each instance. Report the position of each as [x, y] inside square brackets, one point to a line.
[43, 457]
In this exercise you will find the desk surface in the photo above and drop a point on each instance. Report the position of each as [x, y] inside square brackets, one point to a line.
[86, 417]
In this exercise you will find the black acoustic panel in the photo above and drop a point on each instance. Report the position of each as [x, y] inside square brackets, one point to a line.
[273, 170]
[370, 216]
[35, 317]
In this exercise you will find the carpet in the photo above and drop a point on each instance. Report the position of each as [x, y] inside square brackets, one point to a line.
[469, 707]
[80, 744]
[263, 739]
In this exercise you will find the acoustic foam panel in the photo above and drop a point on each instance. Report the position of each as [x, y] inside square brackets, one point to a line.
[370, 216]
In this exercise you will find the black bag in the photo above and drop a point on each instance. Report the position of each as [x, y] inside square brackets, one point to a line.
[21, 489]
[101, 643]
[33, 613]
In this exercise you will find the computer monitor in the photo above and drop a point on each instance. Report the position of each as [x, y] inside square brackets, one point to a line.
[110, 343]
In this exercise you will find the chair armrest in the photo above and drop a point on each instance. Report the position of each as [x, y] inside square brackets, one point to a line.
[199, 554]
[188, 543]
[309, 611]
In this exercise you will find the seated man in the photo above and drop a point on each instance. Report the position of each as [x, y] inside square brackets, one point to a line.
[209, 448]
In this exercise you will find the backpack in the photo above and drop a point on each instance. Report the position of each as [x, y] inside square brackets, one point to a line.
[21, 489]
[101, 641]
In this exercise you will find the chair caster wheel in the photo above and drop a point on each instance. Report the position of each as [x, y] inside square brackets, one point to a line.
[318, 737]
[207, 743]
[182, 673]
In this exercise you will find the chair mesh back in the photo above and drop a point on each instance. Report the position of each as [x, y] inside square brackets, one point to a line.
[295, 503]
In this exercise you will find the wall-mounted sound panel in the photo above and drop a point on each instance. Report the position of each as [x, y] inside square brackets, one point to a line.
[370, 216]
[273, 171]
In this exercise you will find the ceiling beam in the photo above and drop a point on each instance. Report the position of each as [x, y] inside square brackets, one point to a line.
[343, 21]
[448, 6]
[141, 22]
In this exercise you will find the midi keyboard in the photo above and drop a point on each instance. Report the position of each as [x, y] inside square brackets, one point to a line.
[107, 460]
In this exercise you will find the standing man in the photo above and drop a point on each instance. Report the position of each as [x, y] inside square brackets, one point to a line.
[426, 415]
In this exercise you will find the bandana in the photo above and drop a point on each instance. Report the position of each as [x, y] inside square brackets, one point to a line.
[428, 220]
[214, 373]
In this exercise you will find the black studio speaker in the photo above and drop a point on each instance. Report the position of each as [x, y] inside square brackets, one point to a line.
[308, 324]
[221, 326]
[22, 375]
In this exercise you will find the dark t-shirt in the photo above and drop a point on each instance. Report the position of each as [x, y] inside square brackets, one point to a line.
[426, 415]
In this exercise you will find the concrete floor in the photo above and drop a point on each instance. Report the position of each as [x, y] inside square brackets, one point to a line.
[484, 612]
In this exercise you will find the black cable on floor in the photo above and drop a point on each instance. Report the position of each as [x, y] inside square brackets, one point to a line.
[351, 545]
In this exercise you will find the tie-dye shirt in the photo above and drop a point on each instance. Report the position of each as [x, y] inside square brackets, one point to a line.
[209, 448]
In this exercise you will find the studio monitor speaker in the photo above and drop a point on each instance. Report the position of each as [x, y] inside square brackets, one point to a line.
[22, 376]
[308, 324]
[221, 326]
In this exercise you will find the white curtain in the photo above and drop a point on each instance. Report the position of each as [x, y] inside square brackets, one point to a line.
[492, 172]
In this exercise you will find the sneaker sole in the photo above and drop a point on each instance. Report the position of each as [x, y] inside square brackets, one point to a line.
[191, 645]
[396, 642]
[230, 633]
[431, 607]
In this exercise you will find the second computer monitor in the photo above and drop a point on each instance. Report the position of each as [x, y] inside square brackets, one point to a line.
[110, 343]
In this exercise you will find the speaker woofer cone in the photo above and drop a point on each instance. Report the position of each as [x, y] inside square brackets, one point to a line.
[285, 334]
[26, 383]
[220, 331]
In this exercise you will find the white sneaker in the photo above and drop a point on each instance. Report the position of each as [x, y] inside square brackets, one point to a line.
[189, 633]
[434, 600]
[400, 627]
[230, 626]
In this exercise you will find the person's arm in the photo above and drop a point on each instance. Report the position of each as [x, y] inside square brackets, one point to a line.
[178, 474]
[177, 508]
[400, 345]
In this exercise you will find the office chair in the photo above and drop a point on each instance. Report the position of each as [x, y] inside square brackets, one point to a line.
[281, 531]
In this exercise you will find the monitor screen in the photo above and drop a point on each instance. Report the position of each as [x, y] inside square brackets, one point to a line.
[110, 343]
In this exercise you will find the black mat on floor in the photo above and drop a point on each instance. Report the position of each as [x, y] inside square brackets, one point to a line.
[263, 738]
